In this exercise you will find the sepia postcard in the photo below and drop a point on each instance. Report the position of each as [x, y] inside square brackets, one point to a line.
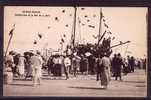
[75, 51]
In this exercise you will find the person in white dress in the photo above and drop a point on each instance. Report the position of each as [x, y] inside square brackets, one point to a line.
[36, 63]
[21, 66]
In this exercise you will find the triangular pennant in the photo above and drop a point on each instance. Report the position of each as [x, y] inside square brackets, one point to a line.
[95, 36]
[48, 27]
[56, 18]
[63, 11]
[106, 25]
[11, 31]
[82, 8]
[121, 42]
[113, 38]
[79, 21]
[85, 16]
[109, 32]
[70, 15]
[62, 40]
[94, 15]
[67, 25]
[91, 26]
[83, 24]
[88, 20]
[35, 42]
[39, 35]
[64, 35]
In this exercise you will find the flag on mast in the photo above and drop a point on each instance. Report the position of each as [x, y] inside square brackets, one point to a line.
[12, 30]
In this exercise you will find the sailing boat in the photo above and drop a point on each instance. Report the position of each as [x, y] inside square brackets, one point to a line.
[102, 46]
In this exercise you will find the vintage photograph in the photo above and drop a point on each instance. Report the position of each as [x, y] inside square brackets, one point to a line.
[69, 51]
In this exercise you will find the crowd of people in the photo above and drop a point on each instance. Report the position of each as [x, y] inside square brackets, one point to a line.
[104, 67]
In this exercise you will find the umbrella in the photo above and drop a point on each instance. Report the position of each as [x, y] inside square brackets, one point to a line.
[28, 53]
[88, 54]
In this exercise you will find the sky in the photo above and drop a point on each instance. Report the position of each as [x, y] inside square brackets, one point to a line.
[125, 23]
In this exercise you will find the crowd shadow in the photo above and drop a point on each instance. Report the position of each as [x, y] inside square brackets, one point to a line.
[21, 84]
[27, 79]
[92, 88]
[140, 86]
[128, 81]
[52, 78]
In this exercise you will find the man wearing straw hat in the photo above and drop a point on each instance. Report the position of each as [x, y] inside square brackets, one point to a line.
[36, 63]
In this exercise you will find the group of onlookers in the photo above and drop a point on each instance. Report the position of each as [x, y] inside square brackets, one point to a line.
[18, 65]
[103, 66]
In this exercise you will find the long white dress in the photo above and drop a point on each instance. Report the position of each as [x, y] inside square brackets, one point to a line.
[36, 63]
[105, 74]
[21, 65]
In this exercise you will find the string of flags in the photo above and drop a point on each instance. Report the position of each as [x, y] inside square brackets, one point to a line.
[39, 36]
[56, 18]
[63, 39]
[63, 11]
[66, 25]
[35, 42]
[81, 22]
[91, 26]
[85, 16]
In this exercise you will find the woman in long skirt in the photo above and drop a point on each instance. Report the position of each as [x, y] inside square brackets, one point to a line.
[21, 66]
[105, 74]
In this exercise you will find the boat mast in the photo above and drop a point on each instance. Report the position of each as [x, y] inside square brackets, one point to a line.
[99, 35]
[74, 27]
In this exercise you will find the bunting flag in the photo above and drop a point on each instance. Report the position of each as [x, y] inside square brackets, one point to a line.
[109, 32]
[14, 25]
[82, 8]
[121, 42]
[88, 20]
[67, 25]
[62, 40]
[79, 20]
[113, 38]
[128, 52]
[64, 35]
[91, 26]
[83, 24]
[35, 42]
[56, 18]
[70, 15]
[106, 25]
[63, 11]
[11, 31]
[95, 37]
[94, 15]
[48, 27]
[85, 16]
[39, 35]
